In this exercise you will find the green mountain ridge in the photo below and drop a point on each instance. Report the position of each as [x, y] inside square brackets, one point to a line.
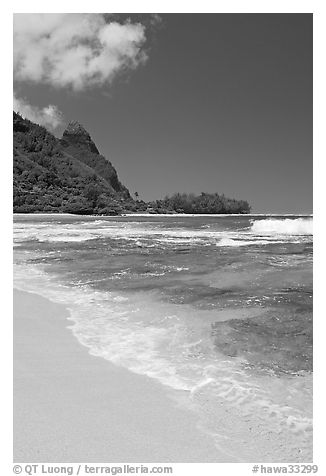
[69, 175]
[63, 175]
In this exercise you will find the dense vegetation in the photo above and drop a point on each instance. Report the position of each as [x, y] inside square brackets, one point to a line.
[203, 203]
[70, 175]
[53, 175]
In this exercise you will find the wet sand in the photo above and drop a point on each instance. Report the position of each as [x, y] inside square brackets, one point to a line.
[70, 406]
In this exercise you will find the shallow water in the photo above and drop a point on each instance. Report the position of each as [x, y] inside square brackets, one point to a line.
[220, 305]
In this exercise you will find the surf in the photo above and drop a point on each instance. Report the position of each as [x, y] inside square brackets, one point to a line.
[287, 226]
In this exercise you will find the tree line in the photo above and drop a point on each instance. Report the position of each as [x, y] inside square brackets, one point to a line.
[210, 203]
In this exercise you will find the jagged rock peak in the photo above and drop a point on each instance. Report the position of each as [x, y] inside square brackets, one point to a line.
[76, 134]
[75, 128]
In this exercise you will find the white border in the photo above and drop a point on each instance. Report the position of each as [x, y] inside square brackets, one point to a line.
[167, 6]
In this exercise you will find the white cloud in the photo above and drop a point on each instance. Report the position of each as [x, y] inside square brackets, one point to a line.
[74, 50]
[49, 116]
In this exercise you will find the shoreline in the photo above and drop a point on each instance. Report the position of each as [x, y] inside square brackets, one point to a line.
[215, 215]
[70, 406]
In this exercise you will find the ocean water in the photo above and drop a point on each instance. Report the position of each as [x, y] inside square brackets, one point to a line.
[218, 308]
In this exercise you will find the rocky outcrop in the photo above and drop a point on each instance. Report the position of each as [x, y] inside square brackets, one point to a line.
[77, 142]
[76, 135]
[64, 175]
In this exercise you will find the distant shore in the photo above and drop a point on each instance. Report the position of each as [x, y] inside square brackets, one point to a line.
[169, 214]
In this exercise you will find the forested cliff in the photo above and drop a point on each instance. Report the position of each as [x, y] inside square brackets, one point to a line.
[69, 175]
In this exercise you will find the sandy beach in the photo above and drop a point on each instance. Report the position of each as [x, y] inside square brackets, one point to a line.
[128, 354]
[70, 406]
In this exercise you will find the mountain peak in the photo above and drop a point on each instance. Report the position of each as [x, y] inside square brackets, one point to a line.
[76, 134]
[75, 127]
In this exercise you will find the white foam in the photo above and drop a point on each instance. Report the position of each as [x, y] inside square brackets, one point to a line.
[168, 345]
[160, 340]
[287, 226]
[235, 243]
[150, 234]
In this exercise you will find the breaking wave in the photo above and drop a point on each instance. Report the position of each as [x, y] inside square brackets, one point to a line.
[298, 226]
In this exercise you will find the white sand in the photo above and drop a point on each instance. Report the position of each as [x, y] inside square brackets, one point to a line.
[70, 406]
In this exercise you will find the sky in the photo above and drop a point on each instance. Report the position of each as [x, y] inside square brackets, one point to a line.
[180, 102]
